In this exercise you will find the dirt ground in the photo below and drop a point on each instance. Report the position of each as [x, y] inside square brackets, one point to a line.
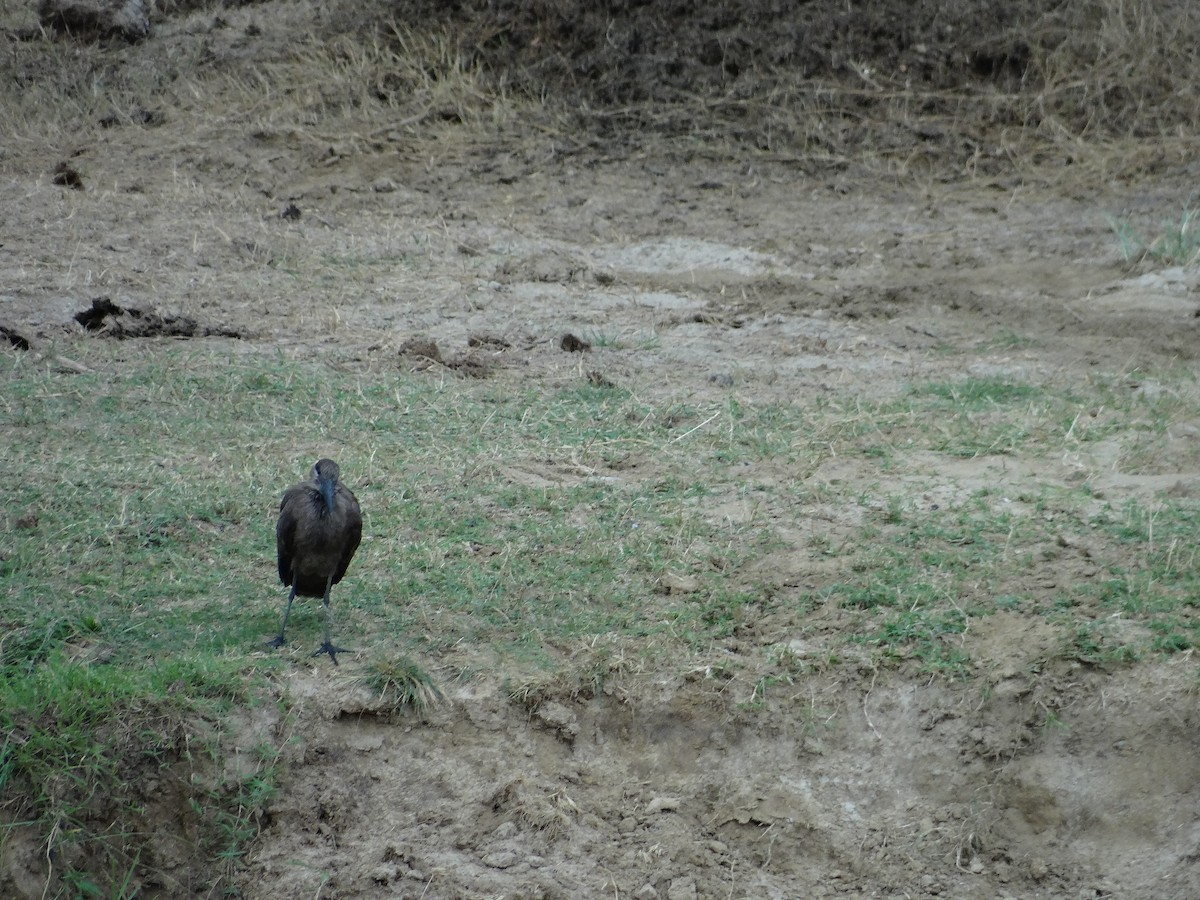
[768, 275]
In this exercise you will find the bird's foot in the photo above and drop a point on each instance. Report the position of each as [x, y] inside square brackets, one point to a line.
[331, 650]
[276, 641]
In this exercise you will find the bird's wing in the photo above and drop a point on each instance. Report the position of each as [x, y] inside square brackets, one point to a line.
[285, 534]
[353, 531]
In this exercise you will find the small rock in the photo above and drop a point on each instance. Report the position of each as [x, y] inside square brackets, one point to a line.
[977, 867]
[385, 873]
[366, 742]
[559, 718]
[501, 859]
[504, 831]
[663, 804]
[1039, 869]
[674, 583]
[646, 892]
[627, 825]
[383, 185]
[682, 889]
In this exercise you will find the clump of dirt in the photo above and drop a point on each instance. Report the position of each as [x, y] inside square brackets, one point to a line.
[571, 343]
[424, 354]
[15, 337]
[66, 175]
[111, 320]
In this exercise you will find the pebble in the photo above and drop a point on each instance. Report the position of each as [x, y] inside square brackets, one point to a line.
[663, 804]
[501, 859]
[385, 874]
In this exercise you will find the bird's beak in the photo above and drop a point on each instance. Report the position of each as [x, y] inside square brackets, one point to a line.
[326, 486]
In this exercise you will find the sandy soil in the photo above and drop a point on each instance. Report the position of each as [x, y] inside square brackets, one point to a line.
[759, 277]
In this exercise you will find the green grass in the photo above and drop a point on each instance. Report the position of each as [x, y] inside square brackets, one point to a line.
[82, 733]
[625, 340]
[1175, 243]
[526, 531]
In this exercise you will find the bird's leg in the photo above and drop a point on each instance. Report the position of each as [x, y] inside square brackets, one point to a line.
[277, 641]
[328, 647]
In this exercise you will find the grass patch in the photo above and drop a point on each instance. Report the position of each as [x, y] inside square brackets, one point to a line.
[625, 340]
[1174, 243]
[560, 536]
[402, 683]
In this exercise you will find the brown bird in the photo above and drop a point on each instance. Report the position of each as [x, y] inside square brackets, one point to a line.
[319, 528]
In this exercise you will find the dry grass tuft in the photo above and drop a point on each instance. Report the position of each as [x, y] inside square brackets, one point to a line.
[403, 684]
[538, 807]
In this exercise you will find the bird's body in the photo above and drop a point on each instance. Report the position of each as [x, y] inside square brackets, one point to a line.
[319, 528]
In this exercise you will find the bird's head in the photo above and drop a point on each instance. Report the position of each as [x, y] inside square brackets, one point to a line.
[326, 473]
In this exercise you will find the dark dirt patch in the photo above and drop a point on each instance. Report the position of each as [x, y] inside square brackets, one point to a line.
[422, 351]
[107, 318]
[424, 354]
[573, 344]
[66, 175]
[14, 337]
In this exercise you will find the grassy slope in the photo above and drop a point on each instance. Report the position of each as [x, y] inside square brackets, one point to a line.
[555, 535]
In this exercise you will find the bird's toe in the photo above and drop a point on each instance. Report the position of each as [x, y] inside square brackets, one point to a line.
[331, 650]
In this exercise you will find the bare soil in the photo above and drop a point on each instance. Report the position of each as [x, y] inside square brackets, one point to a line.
[761, 274]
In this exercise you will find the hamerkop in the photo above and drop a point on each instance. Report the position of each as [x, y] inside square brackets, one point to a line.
[319, 527]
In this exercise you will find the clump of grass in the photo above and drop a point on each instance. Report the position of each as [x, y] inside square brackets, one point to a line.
[402, 683]
[1177, 242]
[400, 78]
[635, 340]
[978, 392]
